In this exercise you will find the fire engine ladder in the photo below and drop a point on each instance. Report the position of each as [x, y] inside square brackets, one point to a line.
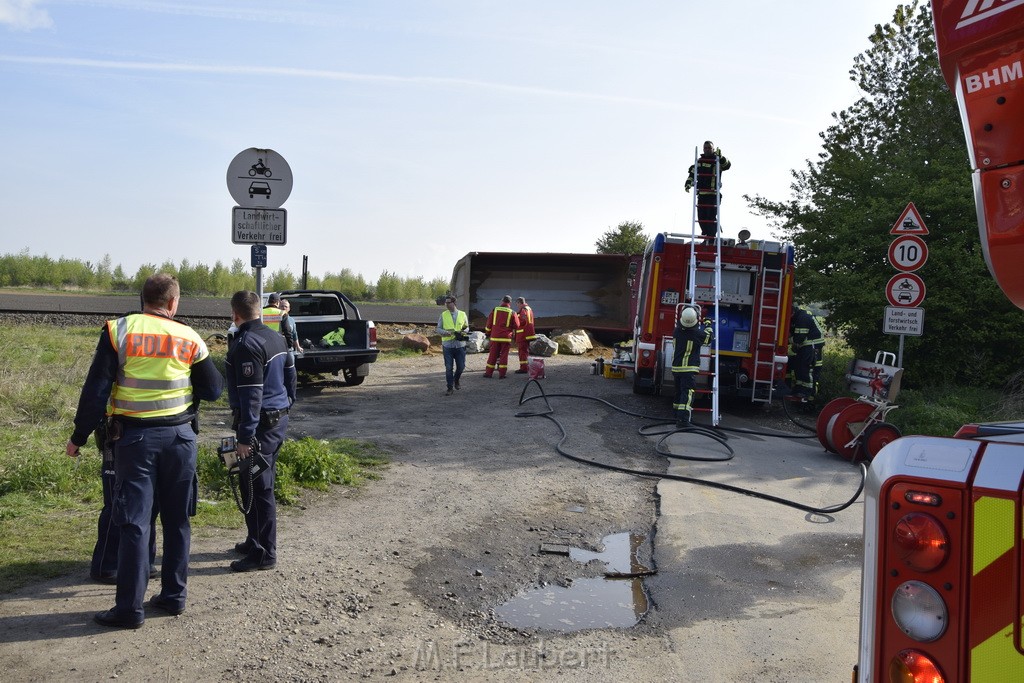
[705, 277]
[769, 310]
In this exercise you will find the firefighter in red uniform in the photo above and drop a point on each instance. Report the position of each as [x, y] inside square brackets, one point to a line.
[525, 334]
[501, 325]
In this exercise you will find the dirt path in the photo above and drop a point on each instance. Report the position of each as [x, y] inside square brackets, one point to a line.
[399, 579]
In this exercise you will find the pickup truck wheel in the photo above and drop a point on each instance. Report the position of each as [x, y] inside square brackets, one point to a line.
[351, 378]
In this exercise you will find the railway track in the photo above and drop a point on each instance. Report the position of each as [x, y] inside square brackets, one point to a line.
[78, 310]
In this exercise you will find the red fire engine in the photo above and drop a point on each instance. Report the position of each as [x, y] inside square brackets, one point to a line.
[752, 283]
[941, 594]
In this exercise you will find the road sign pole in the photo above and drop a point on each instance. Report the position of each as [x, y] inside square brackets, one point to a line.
[899, 356]
[259, 291]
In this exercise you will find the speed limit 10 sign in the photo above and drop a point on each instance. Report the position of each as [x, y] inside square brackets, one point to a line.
[907, 253]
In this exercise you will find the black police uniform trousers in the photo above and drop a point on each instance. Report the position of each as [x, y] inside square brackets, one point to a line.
[261, 522]
[108, 536]
[154, 466]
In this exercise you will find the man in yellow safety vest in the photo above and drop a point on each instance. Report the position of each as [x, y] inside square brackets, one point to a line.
[148, 374]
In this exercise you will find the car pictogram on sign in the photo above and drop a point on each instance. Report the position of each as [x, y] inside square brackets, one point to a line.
[905, 289]
[259, 187]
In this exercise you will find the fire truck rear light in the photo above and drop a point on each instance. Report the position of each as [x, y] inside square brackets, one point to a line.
[923, 498]
[920, 612]
[921, 541]
[911, 666]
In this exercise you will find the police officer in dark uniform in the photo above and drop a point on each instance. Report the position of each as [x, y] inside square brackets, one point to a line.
[261, 389]
[103, 568]
[153, 371]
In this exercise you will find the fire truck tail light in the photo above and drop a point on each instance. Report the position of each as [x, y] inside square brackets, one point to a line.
[921, 541]
[911, 666]
[920, 612]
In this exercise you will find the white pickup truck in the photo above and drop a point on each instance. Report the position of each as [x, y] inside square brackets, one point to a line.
[322, 313]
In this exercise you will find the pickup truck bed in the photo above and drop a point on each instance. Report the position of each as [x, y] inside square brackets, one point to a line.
[316, 314]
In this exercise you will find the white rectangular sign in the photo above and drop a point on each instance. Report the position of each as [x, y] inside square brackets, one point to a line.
[258, 226]
[909, 321]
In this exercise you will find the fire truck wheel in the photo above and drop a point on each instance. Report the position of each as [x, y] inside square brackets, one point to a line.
[831, 409]
[643, 383]
[846, 426]
[877, 436]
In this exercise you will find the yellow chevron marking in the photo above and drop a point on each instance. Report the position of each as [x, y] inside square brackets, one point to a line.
[997, 660]
[993, 530]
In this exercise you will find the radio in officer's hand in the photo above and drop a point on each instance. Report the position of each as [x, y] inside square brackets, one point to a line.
[242, 472]
[228, 453]
[254, 464]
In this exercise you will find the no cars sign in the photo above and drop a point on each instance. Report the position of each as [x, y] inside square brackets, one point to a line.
[906, 290]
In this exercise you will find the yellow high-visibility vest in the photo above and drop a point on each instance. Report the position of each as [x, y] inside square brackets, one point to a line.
[461, 322]
[155, 358]
[272, 317]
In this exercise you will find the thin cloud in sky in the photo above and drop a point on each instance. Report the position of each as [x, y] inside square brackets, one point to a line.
[280, 14]
[323, 74]
[23, 15]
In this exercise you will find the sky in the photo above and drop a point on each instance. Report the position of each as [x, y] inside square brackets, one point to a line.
[416, 131]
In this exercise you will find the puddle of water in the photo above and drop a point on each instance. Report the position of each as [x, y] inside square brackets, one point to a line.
[587, 603]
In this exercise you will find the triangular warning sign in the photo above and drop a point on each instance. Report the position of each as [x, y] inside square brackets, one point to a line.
[909, 222]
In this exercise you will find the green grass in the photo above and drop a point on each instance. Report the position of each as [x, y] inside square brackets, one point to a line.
[49, 503]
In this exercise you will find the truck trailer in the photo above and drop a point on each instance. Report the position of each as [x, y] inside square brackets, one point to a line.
[591, 291]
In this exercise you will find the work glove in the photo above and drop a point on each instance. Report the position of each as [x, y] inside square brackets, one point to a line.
[688, 185]
[718, 151]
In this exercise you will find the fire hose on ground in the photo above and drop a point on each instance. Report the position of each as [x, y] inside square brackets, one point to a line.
[712, 433]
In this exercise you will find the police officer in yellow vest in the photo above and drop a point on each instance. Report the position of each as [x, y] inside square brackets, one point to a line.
[453, 326]
[153, 371]
[276, 319]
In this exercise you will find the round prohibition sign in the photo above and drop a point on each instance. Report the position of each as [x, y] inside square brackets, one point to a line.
[906, 290]
[907, 253]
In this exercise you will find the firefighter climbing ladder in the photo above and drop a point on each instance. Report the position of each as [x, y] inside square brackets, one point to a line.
[767, 330]
[707, 275]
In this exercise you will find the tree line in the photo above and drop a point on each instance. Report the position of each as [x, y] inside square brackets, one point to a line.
[198, 279]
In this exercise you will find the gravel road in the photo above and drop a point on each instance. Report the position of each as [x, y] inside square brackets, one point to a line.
[412, 577]
[402, 577]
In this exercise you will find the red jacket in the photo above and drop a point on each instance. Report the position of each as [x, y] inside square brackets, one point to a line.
[526, 328]
[501, 323]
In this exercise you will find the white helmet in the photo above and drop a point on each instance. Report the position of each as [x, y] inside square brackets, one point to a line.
[688, 317]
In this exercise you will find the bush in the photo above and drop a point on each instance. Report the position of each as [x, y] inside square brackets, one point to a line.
[317, 464]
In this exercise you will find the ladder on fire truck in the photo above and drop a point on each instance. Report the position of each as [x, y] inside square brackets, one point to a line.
[769, 308]
[706, 288]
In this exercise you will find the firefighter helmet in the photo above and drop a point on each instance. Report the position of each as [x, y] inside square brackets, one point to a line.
[688, 317]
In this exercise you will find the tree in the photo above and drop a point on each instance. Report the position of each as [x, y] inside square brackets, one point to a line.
[901, 141]
[627, 238]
